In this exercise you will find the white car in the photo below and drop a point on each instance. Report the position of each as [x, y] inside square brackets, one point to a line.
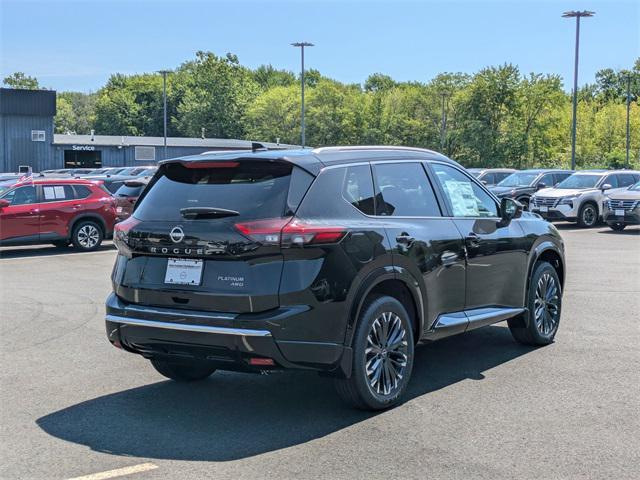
[580, 197]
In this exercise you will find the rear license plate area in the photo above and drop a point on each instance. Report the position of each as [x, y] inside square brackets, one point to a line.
[183, 271]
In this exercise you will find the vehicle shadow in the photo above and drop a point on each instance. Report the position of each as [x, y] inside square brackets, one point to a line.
[626, 231]
[45, 251]
[232, 416]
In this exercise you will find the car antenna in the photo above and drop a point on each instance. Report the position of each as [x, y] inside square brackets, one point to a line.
[258, 147]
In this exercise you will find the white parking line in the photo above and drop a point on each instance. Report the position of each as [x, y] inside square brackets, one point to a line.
[118, 472]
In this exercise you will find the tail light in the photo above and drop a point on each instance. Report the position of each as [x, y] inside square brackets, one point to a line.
[288, 232]
[121, 235]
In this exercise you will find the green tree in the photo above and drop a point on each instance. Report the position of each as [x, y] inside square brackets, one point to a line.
[217, 93]
[268, 77]
[22, 81]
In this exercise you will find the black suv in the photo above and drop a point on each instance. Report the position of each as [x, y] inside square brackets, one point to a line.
[338, 260]
[521, 185]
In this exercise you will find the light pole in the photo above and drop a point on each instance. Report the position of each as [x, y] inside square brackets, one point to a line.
[577, 15]
[302, 45]
[626, 163]
[164, 101]
[443, 126]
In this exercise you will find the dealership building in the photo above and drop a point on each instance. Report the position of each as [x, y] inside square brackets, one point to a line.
[27, 138]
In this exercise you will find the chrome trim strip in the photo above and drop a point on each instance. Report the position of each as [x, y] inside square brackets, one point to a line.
[242, 332]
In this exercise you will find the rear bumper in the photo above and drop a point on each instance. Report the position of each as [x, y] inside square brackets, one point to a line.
[214, 338]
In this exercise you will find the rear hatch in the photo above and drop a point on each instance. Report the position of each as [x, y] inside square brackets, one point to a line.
[188, 239]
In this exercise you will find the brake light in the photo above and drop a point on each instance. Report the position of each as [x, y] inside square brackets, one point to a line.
[290, 232]
[210, 164]
[121, 235]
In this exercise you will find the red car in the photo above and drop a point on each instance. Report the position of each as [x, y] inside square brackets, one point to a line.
[60, 211]
[127, 195]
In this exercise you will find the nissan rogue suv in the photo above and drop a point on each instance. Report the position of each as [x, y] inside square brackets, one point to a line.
[580, 198]
[622, 208]
[523, 184]
[338, 260]
[60, 211]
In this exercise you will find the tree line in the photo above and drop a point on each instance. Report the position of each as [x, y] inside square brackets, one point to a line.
[495, 117]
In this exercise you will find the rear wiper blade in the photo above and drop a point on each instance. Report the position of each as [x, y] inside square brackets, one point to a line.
[207, 212]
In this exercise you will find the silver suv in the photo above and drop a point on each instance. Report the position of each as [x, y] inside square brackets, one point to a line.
[580, 197]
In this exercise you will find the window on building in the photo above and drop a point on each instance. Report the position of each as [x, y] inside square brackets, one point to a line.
[38, 135]
[145, 154]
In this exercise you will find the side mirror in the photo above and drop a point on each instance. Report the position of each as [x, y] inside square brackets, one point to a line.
[484, 182]
[509, 209]
[606, 186]
[4, 203]
[541, 185]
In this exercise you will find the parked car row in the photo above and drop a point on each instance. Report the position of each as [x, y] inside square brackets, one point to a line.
[62, 209]
[585, 197]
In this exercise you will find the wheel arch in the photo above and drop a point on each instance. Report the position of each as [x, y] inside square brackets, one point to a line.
[549, 252]
[88, 216]
[395, 282]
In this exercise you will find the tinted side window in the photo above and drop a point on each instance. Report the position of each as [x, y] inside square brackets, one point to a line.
[547, 179]
[611, 180]
[501, 176]
[357, 188]
[81, 191]
[624, 180]
[21, 196]
[57, 193]
[405, 191]
[560, 177]
[465, 197]
[489, 179]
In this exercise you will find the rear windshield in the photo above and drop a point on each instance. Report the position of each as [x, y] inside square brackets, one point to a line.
[127, 191]
[255, 189]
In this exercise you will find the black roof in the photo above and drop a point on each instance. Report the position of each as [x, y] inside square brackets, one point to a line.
[314, 160]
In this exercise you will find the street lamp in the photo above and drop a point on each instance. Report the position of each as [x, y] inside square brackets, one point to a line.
[443, 126]
[164, 101]
[302, 45]
[577, 15]
[626, 163]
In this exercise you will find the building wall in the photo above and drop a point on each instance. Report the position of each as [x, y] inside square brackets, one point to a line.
[124, 157]
[16, 146]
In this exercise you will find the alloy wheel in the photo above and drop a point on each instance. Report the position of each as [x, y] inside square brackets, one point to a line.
[386, 354]
[546, 304]
[88, 236]
[589, 215]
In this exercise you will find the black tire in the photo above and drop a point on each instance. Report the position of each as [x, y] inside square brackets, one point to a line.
[540, 324]
[60, 243]
[87, 235]
[358, 390]
[618, 227]
[588, 215]
[182, 372]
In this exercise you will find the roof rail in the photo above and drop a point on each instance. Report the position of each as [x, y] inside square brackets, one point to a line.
[371, 147]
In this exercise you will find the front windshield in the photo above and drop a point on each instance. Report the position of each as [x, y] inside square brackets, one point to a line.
[579, 181]
[635, 187]
[519, 179]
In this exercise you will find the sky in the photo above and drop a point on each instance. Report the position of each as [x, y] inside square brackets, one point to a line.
[77, 45]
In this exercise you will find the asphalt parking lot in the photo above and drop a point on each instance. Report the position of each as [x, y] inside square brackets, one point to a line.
[480, 406]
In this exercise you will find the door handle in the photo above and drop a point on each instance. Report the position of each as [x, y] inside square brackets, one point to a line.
[405, 239]
[473, 240]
